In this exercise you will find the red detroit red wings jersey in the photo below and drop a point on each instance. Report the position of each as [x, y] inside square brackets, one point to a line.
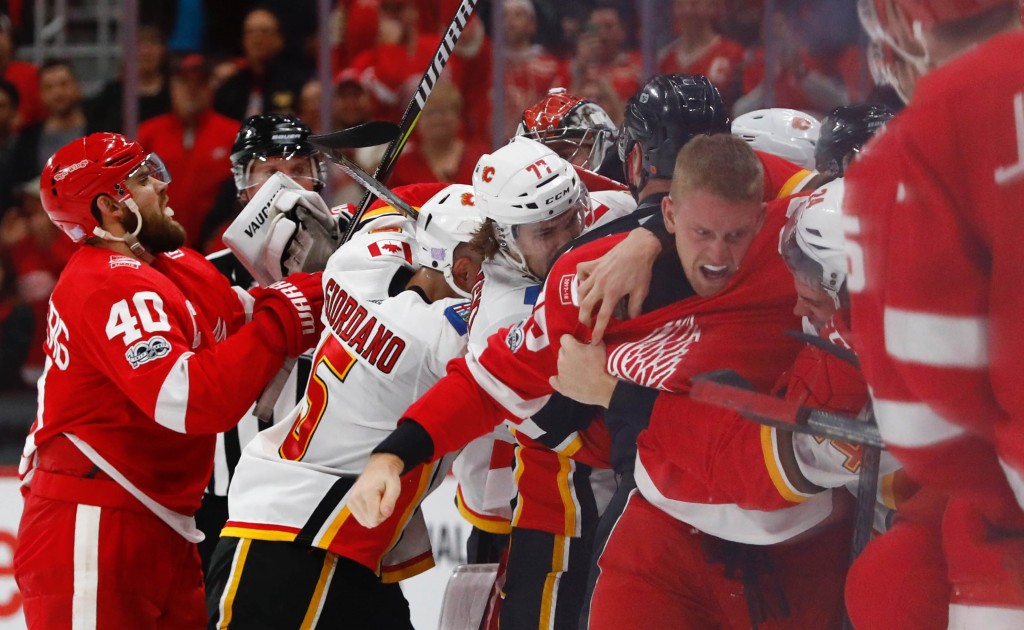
[741, 327]
[720, 61]
[133, 372]
[933, 229]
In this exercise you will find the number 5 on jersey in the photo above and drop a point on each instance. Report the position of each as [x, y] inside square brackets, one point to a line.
[332, 361]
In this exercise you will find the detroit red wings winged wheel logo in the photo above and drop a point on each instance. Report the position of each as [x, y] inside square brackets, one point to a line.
[652, 360]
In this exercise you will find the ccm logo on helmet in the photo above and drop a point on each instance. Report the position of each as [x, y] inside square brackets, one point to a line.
[488, 173]
[64, 172]
[300, 304]
[552, 199]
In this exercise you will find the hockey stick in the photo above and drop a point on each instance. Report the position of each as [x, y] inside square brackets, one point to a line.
[725, 388]
[368, 134]
[834, 349]
[370, 183]
[415, 107]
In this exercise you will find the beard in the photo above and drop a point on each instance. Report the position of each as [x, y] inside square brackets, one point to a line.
[160, 233]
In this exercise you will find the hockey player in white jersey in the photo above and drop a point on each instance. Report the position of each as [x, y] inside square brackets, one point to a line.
[534, 204]
[395, 313]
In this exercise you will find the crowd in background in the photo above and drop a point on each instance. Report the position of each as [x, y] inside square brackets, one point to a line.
[205, 66]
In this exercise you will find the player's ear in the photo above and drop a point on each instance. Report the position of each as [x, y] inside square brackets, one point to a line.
[668, 211]
[108, 210]
[466, 266]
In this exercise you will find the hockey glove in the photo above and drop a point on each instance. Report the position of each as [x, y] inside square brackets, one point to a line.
[315, 228]
[296, 303]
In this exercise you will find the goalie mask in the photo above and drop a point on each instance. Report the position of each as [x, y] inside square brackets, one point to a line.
[790, 134]
[446, 220]
[535, 200]
[271, 143]
[812, 242]
[577, 129]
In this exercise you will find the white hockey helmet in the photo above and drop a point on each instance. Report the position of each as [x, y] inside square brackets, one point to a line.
[526, 182]
[812, 242]
[787, 133]
[445, 220]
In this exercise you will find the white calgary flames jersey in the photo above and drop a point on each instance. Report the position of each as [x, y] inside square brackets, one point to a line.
[379, 353]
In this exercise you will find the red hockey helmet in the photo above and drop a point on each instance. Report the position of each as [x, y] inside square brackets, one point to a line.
[568, 124]
[84, 169]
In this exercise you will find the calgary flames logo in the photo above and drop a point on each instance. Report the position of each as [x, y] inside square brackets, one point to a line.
[801, 123]
[467, 198]
[488, 173]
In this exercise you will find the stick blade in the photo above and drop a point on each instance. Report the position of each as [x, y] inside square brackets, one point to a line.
[368, 134]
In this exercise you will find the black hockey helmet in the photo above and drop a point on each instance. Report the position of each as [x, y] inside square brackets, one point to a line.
[662, 116]
[270, 135]
[844, 130]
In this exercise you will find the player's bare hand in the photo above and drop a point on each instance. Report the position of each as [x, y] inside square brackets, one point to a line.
[623, 272]
[373, 496]
[581, 372]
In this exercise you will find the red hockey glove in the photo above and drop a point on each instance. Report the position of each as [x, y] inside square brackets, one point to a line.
[296, 303]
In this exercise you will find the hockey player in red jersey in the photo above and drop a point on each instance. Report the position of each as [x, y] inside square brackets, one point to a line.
[933, 237]
[731, 467]
[719, 303]
[132, 395]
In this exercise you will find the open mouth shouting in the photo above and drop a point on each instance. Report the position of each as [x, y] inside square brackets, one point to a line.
[715, 273]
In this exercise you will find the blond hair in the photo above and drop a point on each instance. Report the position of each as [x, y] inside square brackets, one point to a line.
[720, 164]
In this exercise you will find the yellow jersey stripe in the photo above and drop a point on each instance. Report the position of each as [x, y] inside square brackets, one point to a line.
[228, 600]
[774, 466]
[316, 602]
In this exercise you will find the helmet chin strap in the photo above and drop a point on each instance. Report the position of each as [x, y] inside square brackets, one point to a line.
[450, 279]
[510, 252]
[130, 239]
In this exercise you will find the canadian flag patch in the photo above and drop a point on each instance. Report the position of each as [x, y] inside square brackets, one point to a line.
[391, 247]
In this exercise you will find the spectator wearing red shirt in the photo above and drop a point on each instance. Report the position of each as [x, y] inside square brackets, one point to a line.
[194, 142]
[439, 152]
[601, 54]
[38, 254]
[23, 75]
[391, 68]
[530, 71]
[700, 49]
[801, 81]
